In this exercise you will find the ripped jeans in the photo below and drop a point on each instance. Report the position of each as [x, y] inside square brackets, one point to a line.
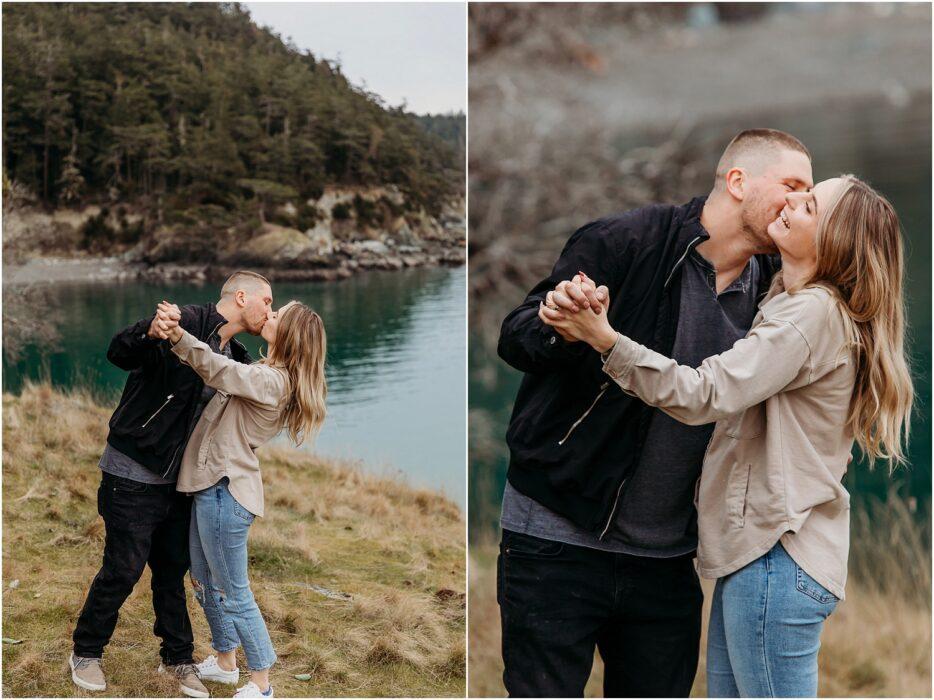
[217, 539]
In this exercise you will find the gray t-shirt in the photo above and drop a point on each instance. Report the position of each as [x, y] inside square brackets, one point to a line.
[113, 461]
[655, 516]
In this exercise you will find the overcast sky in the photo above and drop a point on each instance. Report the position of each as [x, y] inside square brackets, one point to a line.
[411, 52]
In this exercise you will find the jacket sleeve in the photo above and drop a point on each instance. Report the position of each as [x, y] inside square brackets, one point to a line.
[532, 346]
[258, 383]
[767, 360]
[132, 348]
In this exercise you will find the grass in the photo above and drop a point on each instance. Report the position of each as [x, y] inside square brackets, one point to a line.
[877, 643]
[398, 552]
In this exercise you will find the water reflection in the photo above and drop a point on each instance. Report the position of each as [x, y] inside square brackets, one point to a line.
[396, 357]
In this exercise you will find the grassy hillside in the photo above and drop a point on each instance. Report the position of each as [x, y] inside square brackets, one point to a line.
[398, 552]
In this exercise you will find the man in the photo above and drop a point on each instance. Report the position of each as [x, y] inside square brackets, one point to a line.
[599, 526]
[145, 519]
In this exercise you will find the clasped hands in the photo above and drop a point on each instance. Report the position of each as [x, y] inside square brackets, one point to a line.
[165, 323]
[576, 309]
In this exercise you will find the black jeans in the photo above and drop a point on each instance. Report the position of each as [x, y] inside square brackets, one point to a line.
[144, 524]
[559, 601]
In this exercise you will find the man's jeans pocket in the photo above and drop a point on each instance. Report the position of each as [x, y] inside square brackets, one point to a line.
[516, 544]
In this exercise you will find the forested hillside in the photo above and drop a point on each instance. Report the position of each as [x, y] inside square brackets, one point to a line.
[192, 111]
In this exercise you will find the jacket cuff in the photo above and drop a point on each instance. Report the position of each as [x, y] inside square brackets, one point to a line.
[620, 360]
[555, 345]
[184, 344]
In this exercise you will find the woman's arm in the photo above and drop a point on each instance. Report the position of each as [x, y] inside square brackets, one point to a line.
[758, 366]
[755, 368]
[258, 383]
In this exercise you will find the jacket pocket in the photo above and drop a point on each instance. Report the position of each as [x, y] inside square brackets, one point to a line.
[603, 388]
[737, 490]
[746, 425]
[158, 410]
[215, 406]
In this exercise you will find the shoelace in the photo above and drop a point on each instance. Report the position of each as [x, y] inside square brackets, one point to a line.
[82, 662]
[182, 670]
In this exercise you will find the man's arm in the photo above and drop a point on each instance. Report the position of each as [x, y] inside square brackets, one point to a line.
[137, 345]
[532, 346]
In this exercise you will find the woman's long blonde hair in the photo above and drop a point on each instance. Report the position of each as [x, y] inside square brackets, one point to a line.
[860, 257]
[300, 349]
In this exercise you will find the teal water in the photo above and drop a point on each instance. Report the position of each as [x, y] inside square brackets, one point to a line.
[887, 146]
[395, 369]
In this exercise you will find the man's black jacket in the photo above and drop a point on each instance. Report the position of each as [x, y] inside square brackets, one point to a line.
[574, 435]
[155, 416]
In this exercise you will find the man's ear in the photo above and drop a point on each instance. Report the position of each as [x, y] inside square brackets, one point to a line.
[736, 183]
[240, 297]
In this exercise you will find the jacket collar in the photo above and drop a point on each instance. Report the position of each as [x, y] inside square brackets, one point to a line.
[690, 234]
[215, 319]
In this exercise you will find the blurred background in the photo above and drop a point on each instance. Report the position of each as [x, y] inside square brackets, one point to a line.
[581, 110]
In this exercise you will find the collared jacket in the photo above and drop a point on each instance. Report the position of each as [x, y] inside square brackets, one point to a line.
[575, 436]
[774, 465]
[245, 413]
[155, 416]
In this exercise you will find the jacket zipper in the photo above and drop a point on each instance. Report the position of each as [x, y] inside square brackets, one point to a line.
[613, 510]
[681, 259]
[171, 462]
[169, 398]
[619, 490]
[603, 388]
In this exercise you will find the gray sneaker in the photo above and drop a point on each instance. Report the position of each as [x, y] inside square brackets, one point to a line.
[189, 680]
[87, 673]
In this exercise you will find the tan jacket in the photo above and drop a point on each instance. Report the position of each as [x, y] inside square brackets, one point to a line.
[245, 412]
[774, 464]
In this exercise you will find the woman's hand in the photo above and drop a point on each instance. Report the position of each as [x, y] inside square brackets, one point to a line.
[589, 325]
[167, 317]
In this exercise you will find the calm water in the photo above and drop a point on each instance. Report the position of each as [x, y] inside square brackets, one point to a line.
[396, 358]
[888, 147]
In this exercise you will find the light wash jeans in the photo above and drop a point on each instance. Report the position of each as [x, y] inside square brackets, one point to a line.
[219, 530]
[764, 632]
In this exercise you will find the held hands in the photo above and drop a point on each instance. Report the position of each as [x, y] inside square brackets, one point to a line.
[165, 324]
[576, 309]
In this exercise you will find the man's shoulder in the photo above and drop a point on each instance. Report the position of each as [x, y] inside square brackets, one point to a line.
[643, 224]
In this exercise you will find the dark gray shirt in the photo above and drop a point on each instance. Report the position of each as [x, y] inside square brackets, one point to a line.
[115, 462]
[672, 454]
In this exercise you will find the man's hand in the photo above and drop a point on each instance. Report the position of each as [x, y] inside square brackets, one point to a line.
[575, 294]
[591, 326]
[569, 297]
[165, 324]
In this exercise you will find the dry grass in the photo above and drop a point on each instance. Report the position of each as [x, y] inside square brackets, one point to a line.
[397, 551]
[877, 643]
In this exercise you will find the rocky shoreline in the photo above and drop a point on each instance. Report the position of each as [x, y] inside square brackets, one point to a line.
[51, 270]
[353, 230]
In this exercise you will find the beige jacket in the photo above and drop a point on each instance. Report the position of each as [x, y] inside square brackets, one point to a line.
[780, 448]
[245, 412]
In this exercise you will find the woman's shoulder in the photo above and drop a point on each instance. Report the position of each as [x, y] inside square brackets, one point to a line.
[815, 311]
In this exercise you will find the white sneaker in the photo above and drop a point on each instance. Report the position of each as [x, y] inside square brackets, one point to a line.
[87, 673]
[211, 671]
[251, 690]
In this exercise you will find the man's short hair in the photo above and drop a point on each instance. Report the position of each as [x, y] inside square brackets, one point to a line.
[243, 279]
[752, 148]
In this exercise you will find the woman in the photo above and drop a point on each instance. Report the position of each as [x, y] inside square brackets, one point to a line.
[220, 469]
[822, 366]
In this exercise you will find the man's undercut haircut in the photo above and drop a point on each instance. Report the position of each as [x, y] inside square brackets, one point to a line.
[243, 279]
[753, 149]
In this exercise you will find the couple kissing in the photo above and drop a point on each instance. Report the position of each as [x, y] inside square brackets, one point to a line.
[181, 482]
